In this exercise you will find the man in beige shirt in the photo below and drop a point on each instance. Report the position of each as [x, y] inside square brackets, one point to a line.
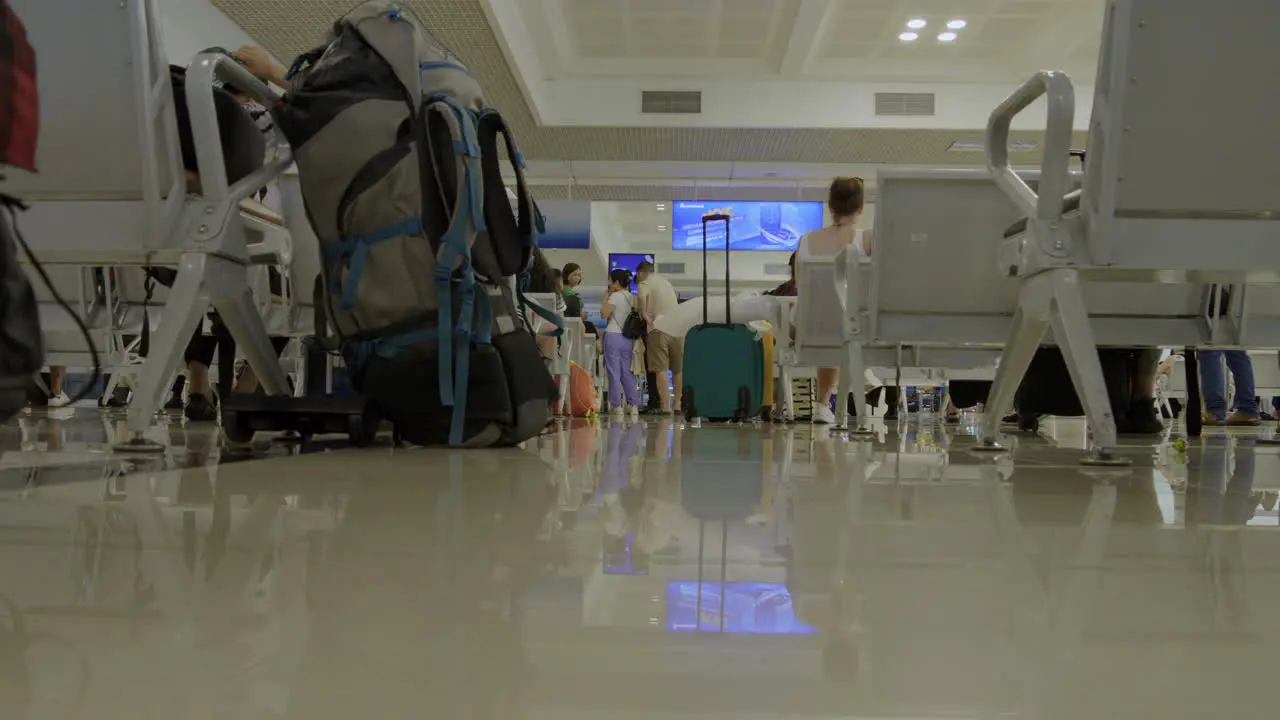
[663, 352]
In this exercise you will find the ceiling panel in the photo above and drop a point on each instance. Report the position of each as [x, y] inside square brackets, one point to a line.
[288, 27]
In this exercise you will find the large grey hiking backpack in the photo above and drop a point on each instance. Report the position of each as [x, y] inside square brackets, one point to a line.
[400, 165]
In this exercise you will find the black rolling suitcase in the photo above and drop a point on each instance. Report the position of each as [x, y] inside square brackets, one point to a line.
[318, 412]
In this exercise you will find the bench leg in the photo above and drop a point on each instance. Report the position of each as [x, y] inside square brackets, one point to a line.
[1074, 336]
[234, 301]
[1030, 321]
[188, 301]
[856, 369]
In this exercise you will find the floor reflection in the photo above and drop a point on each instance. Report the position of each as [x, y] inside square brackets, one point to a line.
[633, 569]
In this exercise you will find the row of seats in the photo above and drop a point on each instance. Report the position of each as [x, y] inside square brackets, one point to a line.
[976, 268]
[111, 193]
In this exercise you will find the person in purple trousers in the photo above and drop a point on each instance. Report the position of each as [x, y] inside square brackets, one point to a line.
[618, 303]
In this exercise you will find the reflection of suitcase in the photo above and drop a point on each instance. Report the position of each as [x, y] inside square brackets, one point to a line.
[723, 362]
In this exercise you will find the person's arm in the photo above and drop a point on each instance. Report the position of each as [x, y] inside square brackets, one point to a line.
[260, 65]
[642, 303]
[867, 243]
[606, 310]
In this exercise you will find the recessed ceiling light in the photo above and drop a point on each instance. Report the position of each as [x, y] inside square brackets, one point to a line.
[660, 206]
[917, 23]
[908, 36]
[957, 24]
[946, 37]
[662, 227]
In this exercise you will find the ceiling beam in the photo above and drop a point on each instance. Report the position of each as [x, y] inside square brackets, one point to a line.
[806, 33]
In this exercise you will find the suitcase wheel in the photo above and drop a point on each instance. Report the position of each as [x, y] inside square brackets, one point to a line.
[236, 428]
[743, 412]
[362, 429]
[686, 405]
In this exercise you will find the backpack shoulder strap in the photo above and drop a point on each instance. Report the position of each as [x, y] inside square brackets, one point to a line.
[506, 226]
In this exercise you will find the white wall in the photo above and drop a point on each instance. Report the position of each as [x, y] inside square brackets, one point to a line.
[193, 25]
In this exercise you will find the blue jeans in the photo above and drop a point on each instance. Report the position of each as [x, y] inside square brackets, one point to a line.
[1213, 382]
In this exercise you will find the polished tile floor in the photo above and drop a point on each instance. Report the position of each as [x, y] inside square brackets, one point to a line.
[635, 570]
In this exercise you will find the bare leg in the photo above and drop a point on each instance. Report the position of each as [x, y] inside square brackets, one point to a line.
[198, 380]
[826, 385]
[677, 384]
[56, 374]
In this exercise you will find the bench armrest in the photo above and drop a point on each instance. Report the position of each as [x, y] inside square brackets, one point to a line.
[1054, 169]
[202, 72]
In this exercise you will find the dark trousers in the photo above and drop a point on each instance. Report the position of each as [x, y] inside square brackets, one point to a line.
[873, 398]
[651, 381]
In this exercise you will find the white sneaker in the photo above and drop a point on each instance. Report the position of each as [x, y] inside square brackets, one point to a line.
[615, 412]
[59, 400]
[822, 415]
[633, 412]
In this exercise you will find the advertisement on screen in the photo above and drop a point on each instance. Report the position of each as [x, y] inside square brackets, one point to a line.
[749, 608]
[773, 226]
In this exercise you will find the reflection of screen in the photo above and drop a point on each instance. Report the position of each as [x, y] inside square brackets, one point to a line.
[754, 225]
[629, 262]
[757, 608]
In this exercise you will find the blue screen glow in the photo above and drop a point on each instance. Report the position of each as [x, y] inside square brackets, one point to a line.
[629, 262]
[755, 608]
[754, 225]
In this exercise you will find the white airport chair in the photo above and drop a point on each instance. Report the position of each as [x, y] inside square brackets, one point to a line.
[864, 323]
[935, 229]
[820, 338]
[111, 188]
[1146, 213]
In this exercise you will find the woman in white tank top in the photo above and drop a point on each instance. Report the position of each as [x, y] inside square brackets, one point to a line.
[844, 200]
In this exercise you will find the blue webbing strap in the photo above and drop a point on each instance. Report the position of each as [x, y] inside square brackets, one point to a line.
[469, 148]
[389, 347]
[462, 353]
[356, 248]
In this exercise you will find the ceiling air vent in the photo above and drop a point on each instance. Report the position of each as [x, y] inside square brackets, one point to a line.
[670, 268]
[671, 102]
[904, 104]
[777, 269]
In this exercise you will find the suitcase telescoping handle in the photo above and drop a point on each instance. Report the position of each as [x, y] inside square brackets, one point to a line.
[706, 272]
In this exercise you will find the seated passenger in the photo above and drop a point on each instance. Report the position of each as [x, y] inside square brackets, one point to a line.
[1213, 382]
[544, 279]
[244, 147]
[844, 200]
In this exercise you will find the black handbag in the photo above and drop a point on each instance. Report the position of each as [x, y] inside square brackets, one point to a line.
[633, 327]
[21, 342]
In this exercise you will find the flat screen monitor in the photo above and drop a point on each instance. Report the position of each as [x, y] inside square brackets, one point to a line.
[629, 262]
[753, 226]
[750, 608]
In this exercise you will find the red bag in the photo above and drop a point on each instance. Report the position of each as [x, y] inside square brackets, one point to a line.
[582, 393]
[19, 97]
